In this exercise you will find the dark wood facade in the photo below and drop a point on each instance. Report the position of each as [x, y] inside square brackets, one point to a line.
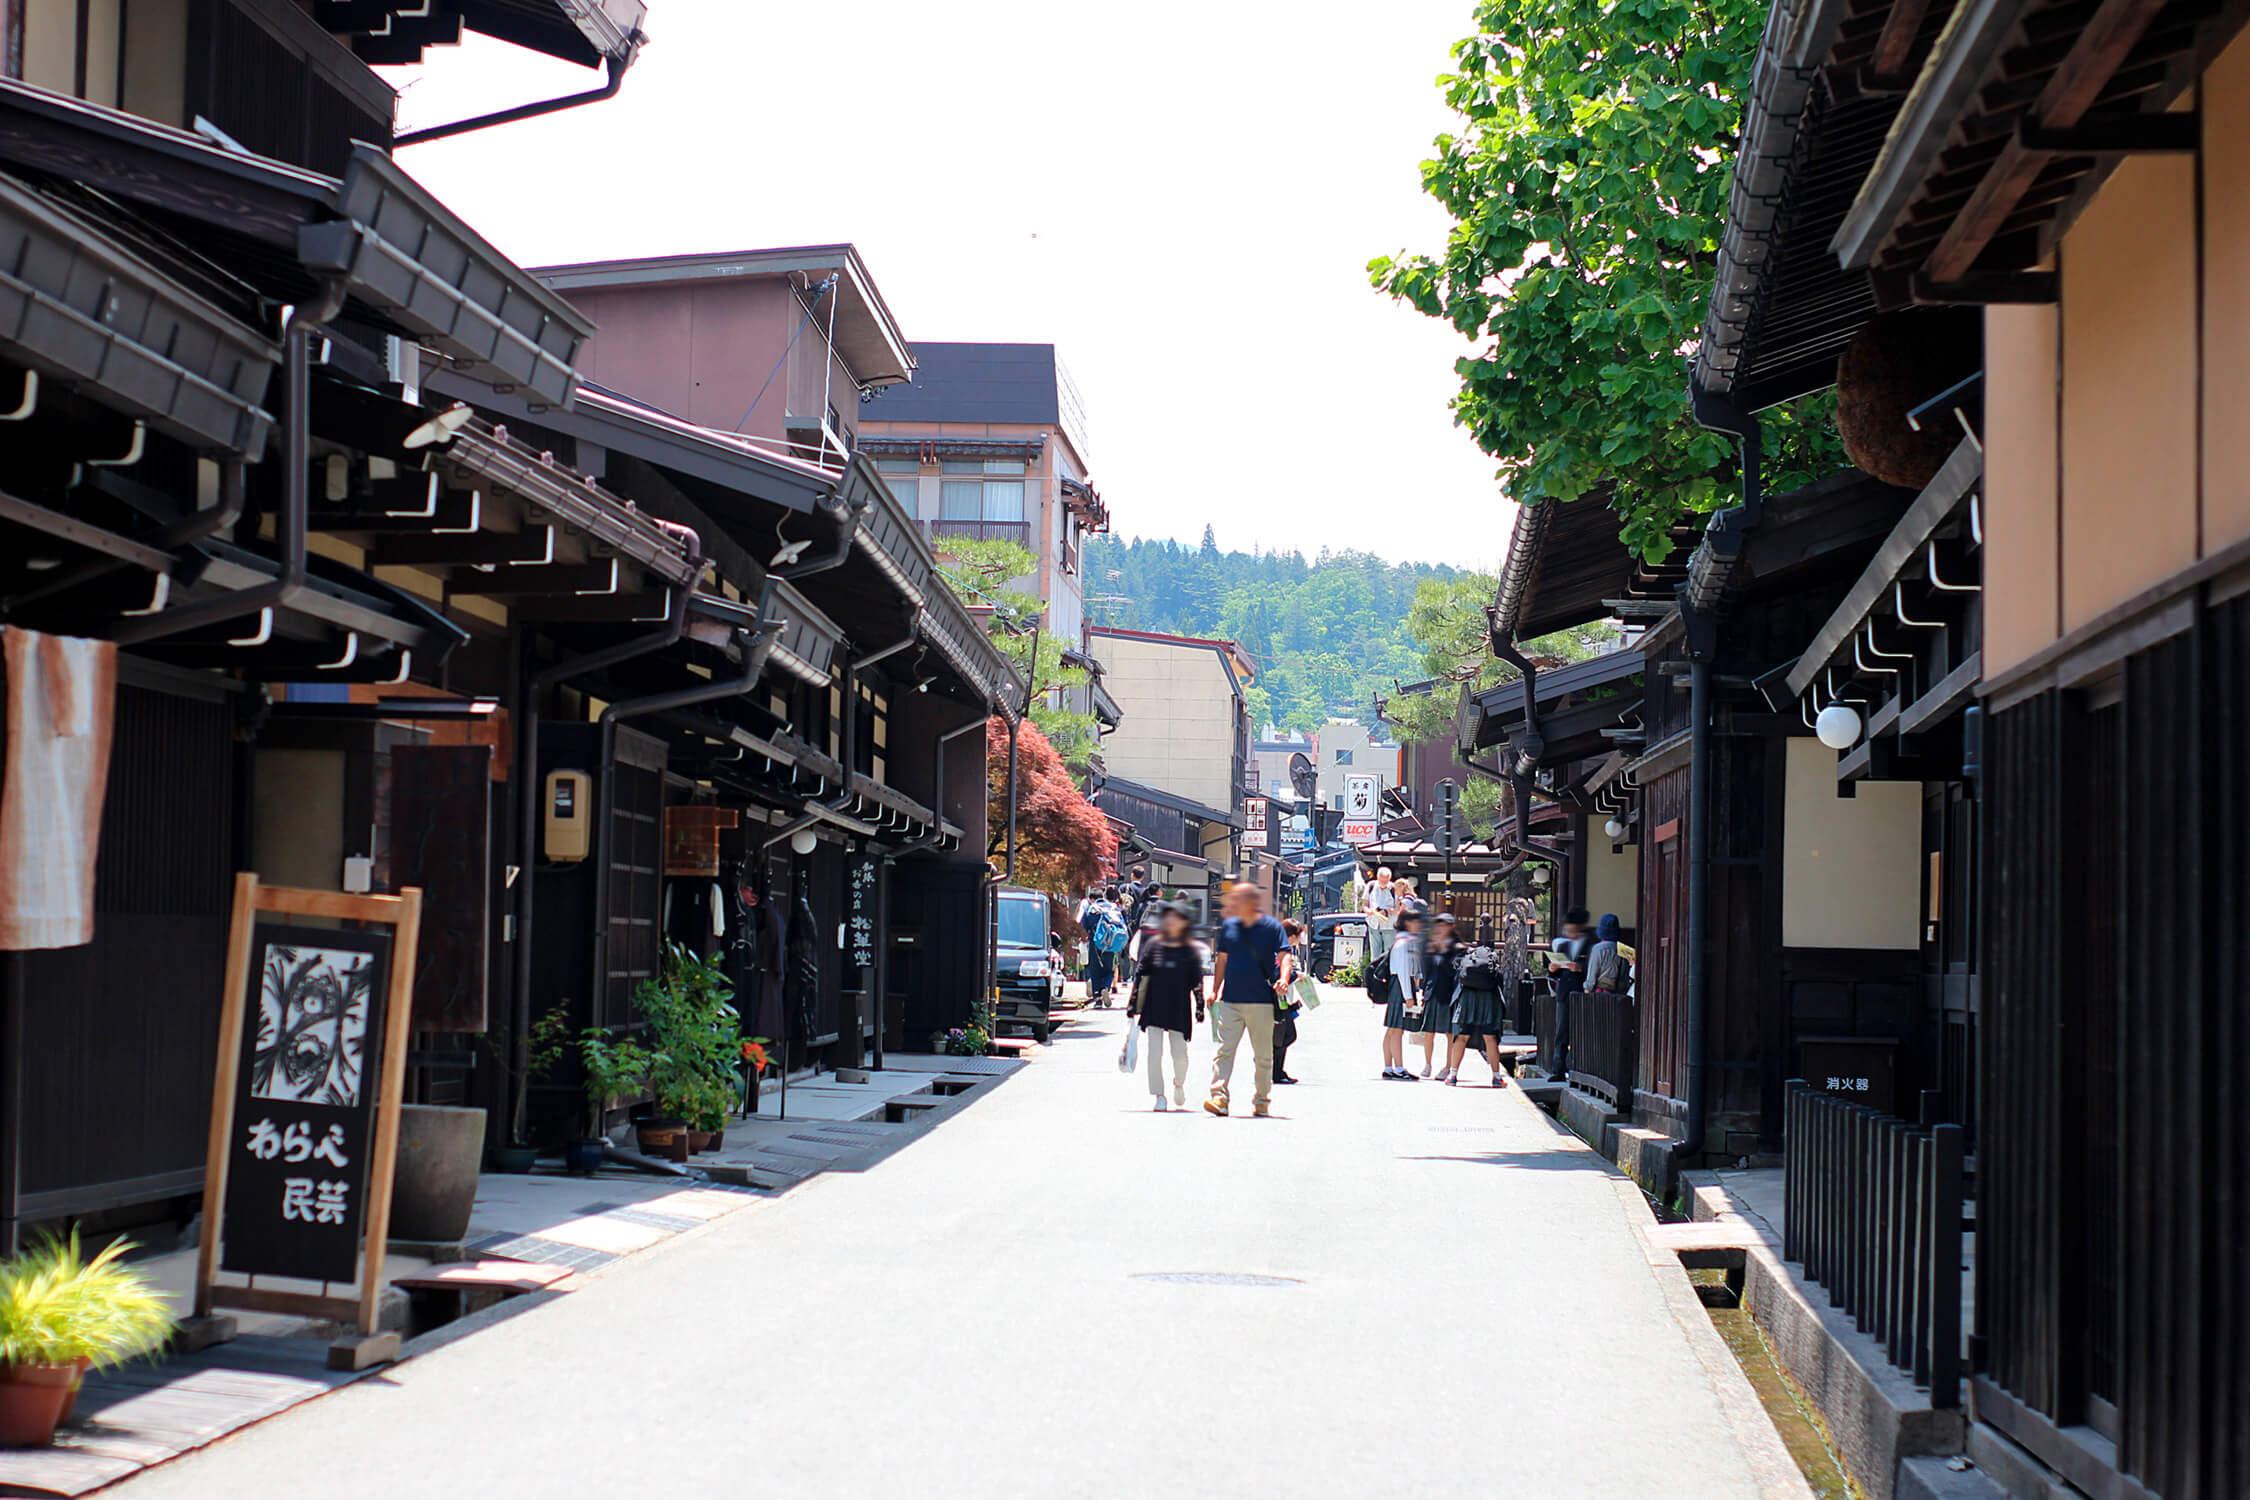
[2110, 1297]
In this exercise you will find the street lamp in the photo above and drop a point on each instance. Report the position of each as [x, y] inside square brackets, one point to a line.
[804, 841]
[1838, 726]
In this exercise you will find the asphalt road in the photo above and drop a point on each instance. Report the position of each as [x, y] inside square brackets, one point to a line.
[1388, 1289]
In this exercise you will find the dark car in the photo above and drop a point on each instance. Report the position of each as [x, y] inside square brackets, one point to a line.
[1326, 929]
[1025, 971]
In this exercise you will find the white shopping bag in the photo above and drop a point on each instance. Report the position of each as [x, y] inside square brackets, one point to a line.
[1129, 1056]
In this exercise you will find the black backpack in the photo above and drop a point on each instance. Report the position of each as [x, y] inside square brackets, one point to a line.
[1379, 976]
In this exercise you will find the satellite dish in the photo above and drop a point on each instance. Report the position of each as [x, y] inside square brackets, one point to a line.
[1302, 776]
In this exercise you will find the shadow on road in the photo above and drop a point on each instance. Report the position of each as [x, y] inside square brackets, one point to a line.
[1529, 1161]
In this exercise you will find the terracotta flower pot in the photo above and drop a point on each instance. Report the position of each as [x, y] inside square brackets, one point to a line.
[657, 1139]
[32, 1398]
[70, 1401]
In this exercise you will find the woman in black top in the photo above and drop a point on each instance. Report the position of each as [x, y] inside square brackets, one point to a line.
[1168, 1000]
[1439, 971]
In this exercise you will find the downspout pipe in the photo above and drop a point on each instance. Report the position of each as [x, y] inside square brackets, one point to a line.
[1700, 599]
[936, 836]
[615, 65]
[756, 646]
[529, 797]
[282, 590]
[1533, 745]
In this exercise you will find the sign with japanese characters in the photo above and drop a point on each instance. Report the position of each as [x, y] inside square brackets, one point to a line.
[304, 1101]
[1254, 816]
[862, 896]
[1362, 796]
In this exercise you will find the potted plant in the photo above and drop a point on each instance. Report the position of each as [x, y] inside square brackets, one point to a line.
[61, 1313]
[757, 1056]
[544, 1047]
[694, 1050]
[614, 1069]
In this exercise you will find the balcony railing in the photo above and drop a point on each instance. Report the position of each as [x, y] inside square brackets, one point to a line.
[1872, 1211]
[1018, 532]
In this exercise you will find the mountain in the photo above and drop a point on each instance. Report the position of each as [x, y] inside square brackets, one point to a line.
[1327, 635]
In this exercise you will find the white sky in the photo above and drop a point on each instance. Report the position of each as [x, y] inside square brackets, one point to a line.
[1181, 196]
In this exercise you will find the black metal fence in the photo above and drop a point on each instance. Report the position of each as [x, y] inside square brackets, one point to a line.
[1542, 1004]
[1605, 1045]
[1872, 1211]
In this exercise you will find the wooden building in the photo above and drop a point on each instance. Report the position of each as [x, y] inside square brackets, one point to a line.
[2086, 176]
[2045, 650]
[306, 465]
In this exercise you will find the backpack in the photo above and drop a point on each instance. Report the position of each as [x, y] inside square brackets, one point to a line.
[1109, 931]
[1379, 976]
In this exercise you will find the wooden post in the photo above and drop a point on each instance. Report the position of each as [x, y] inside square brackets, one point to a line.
[382, 1165]
[223, 1085]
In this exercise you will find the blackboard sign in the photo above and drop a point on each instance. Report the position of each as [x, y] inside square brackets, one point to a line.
[861, 898]
[304, 1102]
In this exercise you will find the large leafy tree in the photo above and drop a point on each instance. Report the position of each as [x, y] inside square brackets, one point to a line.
[984, 573]
[1447, 620]
[1588, 184]
[1063, 843]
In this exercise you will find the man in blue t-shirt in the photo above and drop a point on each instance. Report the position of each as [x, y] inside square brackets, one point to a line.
[1254, 968]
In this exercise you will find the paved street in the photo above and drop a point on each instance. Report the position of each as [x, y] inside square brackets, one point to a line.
[1460, 1306]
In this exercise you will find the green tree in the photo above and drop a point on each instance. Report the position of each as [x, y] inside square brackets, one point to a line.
[982, 573]
[1588, 182]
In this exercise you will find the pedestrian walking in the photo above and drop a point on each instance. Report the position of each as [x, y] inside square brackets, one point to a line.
[1477, 1018]
[1106, 936]
[1440, 959]
[1285, 1028]
[1410, 899]
[1168, 999]
[1378, 902]
[1566, 971]
[1405, 1010]
[1252, 972]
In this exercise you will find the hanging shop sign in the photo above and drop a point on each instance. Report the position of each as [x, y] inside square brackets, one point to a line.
[305, 1104]
[861, 896]
[691, 839]
[1254, 816]
[1358, 831]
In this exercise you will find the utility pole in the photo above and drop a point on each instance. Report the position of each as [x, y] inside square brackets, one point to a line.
[1449, 831]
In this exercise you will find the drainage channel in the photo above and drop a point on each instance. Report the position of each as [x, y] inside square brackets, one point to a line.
[1787, 1407]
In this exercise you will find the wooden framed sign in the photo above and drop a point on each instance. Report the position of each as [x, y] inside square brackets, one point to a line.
[305, 1101]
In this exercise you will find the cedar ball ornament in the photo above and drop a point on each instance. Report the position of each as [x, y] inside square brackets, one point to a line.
[1894, 364]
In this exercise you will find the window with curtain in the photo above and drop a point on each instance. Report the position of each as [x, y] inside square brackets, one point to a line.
[961, 500]
[904, 476]
[1003, 499]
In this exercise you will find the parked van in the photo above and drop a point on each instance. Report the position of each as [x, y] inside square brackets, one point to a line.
[1026, 971]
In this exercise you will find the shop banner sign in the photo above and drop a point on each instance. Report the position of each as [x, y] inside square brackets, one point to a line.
[862, 895]
[313, 1027]
[304, 1105]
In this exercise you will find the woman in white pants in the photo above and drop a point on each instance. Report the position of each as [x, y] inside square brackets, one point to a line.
[1168, 1000]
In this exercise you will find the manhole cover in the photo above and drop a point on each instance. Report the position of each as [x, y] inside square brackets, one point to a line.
[1216, 1278]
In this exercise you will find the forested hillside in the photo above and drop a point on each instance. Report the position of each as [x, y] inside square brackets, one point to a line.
[1326, 634]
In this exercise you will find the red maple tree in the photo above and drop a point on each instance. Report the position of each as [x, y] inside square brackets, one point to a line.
[1063, 843]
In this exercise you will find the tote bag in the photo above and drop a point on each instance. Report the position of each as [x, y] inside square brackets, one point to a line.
[1129, 1056]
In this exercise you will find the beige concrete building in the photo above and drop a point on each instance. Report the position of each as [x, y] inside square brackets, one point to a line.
[1185, 727]
[1346, 747]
